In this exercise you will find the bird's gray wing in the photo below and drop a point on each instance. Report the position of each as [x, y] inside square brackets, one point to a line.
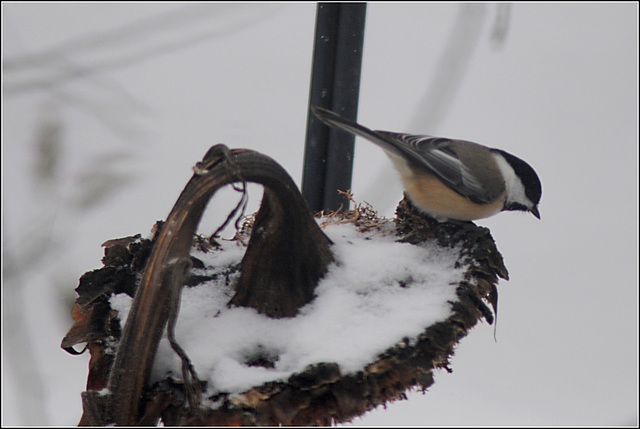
[439, 156]
[436, 154]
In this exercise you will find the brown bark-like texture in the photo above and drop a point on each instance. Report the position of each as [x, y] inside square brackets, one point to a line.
[321, 394]
[121, 362]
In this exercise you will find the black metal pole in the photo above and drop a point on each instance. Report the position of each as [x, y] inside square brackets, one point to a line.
[335, 85]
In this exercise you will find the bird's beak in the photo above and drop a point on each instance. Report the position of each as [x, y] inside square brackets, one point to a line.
[535, 211]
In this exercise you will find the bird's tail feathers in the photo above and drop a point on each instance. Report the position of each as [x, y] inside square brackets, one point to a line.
[336, 121]
[386, 141]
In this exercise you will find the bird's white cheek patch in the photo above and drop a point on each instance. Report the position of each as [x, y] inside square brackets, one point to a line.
[515, 188]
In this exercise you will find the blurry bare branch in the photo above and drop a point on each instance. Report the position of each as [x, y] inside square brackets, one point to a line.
[128, 44]
[501, 25]
[101, 180]
[444, 83]
[47, 145]
[105, 99]
[42, 232]
[20, 351]
[91, 56]
[47, 227]
[450, 68]
[115, 110]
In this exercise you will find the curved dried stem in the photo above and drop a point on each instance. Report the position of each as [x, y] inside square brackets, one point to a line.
[287, 255]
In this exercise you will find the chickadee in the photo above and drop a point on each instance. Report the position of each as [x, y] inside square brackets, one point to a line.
[452, 179]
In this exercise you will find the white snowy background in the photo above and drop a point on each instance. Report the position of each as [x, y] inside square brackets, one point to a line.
[138, 93]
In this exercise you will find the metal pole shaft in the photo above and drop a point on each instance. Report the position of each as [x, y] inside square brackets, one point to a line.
[335, 85]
